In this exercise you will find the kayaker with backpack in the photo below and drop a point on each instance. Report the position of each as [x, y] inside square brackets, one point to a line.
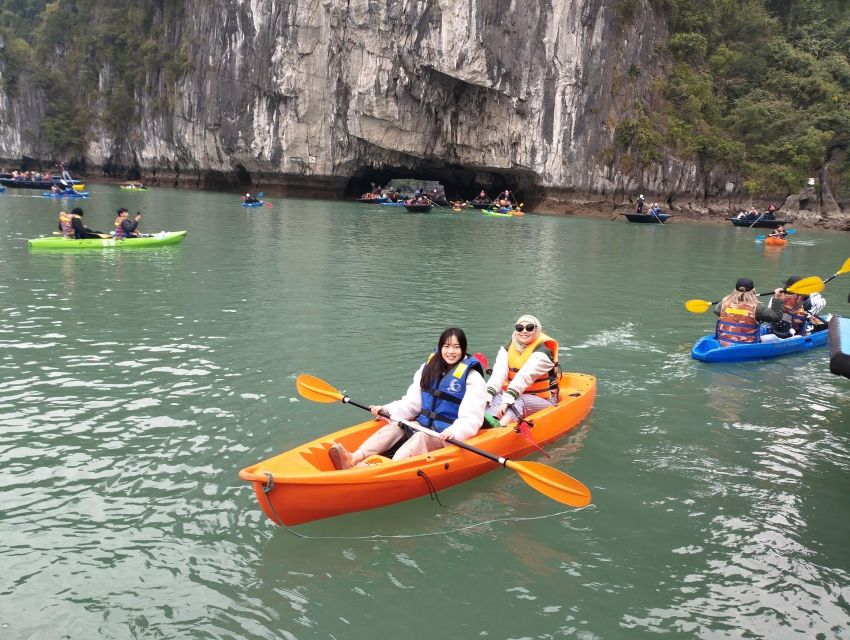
[799, 312]
[447, 395]
[71, 225]
[124, 227]
[525, 373]
[741, 313]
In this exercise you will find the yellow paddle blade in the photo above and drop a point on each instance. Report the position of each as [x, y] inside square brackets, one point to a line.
[807, 286]
[697, 306]
[845, 268]
[552, 483]
[316, 389]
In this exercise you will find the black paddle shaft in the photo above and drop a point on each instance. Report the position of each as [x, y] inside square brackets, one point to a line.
[457, 443]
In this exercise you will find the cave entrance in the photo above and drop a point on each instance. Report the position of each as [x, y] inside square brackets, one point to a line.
[459, 182]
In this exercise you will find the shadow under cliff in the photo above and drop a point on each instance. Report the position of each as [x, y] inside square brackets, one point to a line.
[460, 183]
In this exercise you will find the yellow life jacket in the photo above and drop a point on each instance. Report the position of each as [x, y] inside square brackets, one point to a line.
[546, 384]
[66, 223]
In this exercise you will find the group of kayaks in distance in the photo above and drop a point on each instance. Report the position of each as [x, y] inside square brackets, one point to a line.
[504, 206]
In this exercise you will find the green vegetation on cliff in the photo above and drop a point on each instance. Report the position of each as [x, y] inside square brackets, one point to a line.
[90, 56]
[761, 87]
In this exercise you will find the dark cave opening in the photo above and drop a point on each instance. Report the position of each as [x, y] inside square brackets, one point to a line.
[459, 182]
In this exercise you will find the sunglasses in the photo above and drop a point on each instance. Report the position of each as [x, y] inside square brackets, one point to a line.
[527, 327]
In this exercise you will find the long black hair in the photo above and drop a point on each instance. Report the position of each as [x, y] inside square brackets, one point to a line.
[436, 367]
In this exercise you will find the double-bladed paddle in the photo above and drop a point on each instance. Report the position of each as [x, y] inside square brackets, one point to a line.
[804, 287]
[548, 481]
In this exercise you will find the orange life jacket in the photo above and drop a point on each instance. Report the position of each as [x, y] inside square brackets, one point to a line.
[737, 324]
[546, 384]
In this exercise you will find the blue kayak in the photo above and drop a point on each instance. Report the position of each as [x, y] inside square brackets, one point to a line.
[252, 204]
[71, 194]
[707, 349]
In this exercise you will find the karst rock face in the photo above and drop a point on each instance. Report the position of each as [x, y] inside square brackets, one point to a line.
[312, 94]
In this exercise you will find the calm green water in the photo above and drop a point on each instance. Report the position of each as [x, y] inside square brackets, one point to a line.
[135, 385]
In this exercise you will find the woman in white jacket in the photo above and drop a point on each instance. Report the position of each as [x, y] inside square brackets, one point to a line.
[526, 373]
[447, 395]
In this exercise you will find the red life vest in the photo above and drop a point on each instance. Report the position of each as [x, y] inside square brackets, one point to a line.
[737, 324]
[792, 311]
[546, 384]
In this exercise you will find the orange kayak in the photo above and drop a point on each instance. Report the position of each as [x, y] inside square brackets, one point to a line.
[776, 242]
[301, 485]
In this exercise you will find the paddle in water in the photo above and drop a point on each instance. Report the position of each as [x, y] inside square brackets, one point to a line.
[552, 483]
[805, 287]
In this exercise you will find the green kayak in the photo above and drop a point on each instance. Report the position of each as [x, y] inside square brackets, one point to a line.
[156, 240]
[496, 214]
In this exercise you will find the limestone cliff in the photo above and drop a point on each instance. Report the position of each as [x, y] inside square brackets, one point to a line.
[317, 95]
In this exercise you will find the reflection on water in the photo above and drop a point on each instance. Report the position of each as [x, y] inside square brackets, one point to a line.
[134, 385]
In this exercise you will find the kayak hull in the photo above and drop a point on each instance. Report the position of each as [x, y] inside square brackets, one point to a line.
[253, 204]
[839, 346]
[646, 218]
[162, 239]
[775, 242]
[75, 194]
[707, 349]
[301, 485]
[761, 224]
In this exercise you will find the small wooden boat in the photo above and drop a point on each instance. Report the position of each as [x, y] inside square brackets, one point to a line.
[418, 208]
[755, 224]
[480, 205]
[9, 181]
[775, 241]
[376, 200]
[648, 218]
[301, 485]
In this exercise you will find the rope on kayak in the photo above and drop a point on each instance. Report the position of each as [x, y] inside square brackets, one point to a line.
[267, 488]
[432, 492]
[401, 536]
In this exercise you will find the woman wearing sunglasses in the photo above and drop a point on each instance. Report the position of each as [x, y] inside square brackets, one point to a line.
[525, 374]
[447, 395]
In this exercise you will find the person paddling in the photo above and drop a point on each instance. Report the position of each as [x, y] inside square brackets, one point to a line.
[779, 232]
[124, 227]
[798, 315]
[740, 314]
[447, 395]
[71, 225]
